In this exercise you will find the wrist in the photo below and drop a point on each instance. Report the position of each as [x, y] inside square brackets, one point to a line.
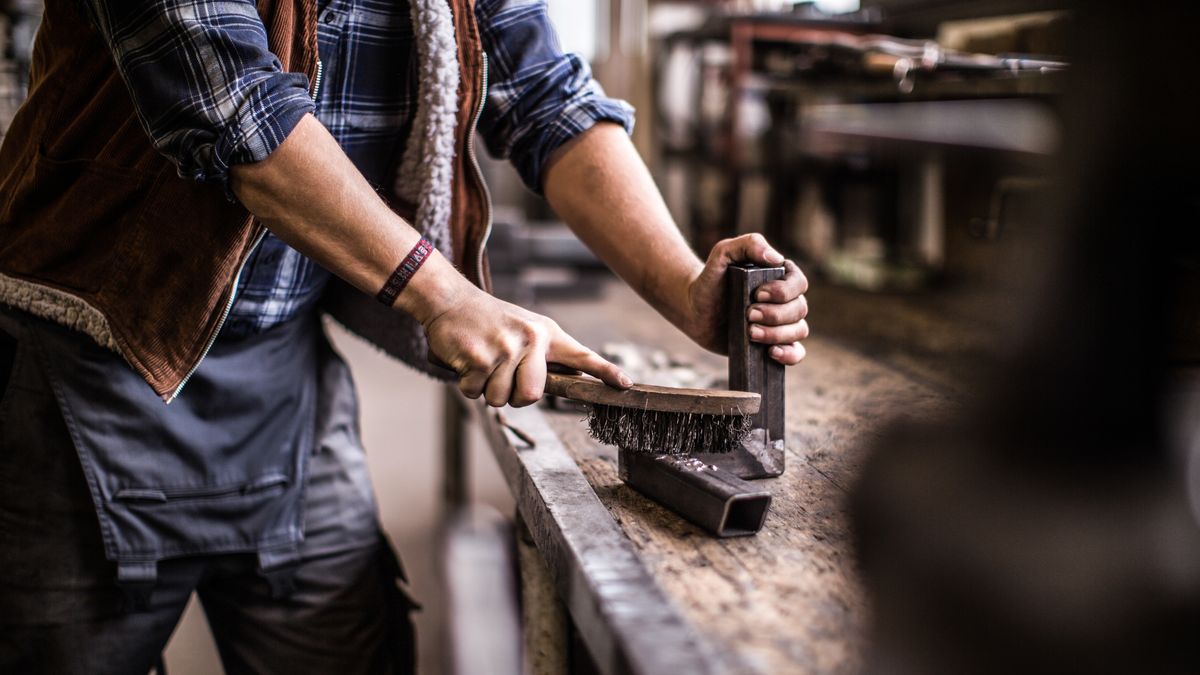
[435, 288]
[670, 291]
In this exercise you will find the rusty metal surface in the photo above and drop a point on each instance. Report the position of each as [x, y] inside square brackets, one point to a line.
[707, 495]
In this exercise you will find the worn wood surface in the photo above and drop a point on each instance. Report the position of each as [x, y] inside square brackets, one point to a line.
[786, 600]
[622, 614]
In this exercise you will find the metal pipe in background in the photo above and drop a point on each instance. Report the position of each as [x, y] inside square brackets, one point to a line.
[482, 611]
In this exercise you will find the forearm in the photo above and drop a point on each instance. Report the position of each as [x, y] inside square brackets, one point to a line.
[311, 196]
[599, 185]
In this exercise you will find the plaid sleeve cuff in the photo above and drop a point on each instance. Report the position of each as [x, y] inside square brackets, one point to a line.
[270, 112]
[203, 80]
[580, 113]
[541, 96]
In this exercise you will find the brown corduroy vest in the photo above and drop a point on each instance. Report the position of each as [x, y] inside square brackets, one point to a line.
[98, 233]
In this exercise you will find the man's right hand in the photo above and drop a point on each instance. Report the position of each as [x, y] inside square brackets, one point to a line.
[498, 349]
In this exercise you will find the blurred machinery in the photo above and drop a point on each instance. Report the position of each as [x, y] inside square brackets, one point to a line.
[533, 260]
[886, 150]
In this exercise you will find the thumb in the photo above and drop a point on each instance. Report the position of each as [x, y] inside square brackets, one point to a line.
[565, 350]
[751, 248]
[748, 248]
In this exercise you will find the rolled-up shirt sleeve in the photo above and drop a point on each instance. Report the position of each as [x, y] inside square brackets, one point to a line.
[538, 96]
[206, 87]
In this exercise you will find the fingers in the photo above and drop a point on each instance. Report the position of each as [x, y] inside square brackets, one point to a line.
[519, 377]
[778, 317]
[530, 382]
[788, 355]
[501, 351]
[500, 384]
[769, 314]
[473, 382]
[791, 286]
[779, 335]
[566, 350]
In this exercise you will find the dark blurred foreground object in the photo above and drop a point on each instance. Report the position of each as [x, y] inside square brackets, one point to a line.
[1051, 529]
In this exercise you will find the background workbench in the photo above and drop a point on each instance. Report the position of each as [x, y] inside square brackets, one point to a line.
[784, 601]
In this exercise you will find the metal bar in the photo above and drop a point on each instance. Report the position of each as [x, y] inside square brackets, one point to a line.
[627, 622]
[703, 493]
[454, 451]
[752, 369]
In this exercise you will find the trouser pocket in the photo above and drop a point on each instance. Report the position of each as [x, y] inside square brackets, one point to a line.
[52, 564]
[400, 608]
[9, 347]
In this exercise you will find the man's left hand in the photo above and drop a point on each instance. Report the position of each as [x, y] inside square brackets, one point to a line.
[778, 315]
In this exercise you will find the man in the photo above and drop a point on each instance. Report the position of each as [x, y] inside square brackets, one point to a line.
[346, 129]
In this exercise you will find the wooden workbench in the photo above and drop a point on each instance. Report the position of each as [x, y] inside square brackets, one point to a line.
[651, 593]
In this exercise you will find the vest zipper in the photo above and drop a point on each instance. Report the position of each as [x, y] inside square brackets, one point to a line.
[233, 293]
[487, 195]
[221, 323]
[317, 80]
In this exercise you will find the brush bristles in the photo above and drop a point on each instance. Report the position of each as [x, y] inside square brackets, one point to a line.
[657, 432]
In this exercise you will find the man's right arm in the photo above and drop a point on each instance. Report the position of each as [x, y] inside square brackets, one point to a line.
[215, 101]
[311, 196]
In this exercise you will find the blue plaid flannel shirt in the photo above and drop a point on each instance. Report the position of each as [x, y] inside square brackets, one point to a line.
[211, 95]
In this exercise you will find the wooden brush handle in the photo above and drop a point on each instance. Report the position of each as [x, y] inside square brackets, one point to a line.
[651, 397]
[578, 387]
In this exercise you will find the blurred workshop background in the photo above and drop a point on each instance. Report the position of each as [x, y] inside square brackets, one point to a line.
[950, 173]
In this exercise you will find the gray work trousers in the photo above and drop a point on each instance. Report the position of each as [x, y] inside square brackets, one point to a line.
[62, 612]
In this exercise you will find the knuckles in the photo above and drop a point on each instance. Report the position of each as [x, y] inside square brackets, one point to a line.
[802, 282]
[477, 357]
[535, 333]
[524, 398]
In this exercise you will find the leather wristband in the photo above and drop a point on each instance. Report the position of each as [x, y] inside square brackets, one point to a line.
[404, 272]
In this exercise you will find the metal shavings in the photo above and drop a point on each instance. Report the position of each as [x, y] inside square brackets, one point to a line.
[666, 433]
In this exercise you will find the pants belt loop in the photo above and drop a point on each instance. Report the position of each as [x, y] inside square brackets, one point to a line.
[278, 567]
[137, 580]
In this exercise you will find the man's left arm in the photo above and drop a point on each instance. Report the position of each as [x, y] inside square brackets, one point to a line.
[599, 185]
[570, 142]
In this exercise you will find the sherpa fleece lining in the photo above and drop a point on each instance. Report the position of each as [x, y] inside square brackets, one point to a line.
[57, 306]
[427, 170]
